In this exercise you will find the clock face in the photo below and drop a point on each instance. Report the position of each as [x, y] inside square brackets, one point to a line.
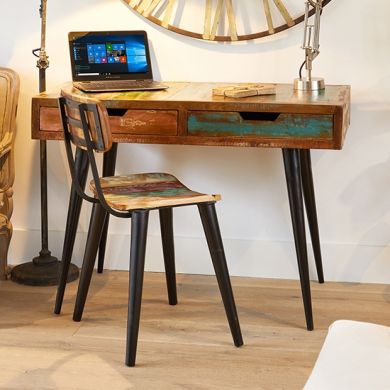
[223, 20]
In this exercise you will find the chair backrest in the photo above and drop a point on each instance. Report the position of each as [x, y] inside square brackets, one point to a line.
[9, 95]
[86, 126]
[85, 119]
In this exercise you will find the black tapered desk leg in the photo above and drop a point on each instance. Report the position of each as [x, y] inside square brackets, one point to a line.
[109, 161]
[294, 187]
[214, 240]
[75, 202]
[166, 225]
[311, 211]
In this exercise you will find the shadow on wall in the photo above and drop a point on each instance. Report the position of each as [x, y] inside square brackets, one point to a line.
[367, 195]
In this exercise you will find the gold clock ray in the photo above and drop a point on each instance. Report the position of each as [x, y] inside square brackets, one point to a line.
[278, 16]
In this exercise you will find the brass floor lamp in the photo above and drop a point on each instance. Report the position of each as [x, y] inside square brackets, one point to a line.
[43, 269]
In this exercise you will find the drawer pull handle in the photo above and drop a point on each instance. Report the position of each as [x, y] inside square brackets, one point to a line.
[260, 116]
[116, 111]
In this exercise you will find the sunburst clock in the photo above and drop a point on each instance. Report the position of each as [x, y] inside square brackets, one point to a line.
[222, 20]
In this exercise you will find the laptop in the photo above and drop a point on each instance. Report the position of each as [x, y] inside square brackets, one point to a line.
[110, 61]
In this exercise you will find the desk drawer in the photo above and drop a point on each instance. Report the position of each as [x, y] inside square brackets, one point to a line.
[143, 122]
[267, 124]
[122, 121]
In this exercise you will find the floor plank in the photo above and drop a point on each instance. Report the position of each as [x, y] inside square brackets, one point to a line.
[187, 346]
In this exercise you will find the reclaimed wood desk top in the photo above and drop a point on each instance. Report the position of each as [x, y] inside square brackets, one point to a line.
[188, 113]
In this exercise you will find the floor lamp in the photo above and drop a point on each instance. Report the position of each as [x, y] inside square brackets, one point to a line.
[43, 269]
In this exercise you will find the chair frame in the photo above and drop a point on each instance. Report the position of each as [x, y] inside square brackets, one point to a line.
[88, 107]
[7, 167]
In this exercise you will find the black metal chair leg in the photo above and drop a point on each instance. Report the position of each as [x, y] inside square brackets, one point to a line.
[102, 246]
[94, 234]
[166, 224]
[294, 187]
[109, 161]
[139, 227]
[213, 235]
[311, 212]
[74, 208]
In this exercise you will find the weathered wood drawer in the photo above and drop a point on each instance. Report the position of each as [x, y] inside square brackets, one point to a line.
[267, 124]
[149, 122]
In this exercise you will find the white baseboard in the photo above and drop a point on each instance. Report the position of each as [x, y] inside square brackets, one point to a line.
[253, 258]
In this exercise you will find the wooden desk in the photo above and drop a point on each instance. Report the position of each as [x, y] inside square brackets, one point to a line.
[188, 113]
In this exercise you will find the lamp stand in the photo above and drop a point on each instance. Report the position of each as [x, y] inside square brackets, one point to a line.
[43, 270]
[306, 84]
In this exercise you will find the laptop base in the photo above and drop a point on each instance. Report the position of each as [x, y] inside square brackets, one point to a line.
[119, 86]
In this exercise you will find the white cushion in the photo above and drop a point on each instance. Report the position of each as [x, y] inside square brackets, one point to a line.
[355, 356]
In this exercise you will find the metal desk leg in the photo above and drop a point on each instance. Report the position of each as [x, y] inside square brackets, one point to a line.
[311, 212]
[109, 161]
[294, 186]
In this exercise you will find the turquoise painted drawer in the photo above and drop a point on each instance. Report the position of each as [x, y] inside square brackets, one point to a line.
[267, 124]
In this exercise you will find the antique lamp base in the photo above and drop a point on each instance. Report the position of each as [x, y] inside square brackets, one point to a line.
[305, 84]
[42, 271]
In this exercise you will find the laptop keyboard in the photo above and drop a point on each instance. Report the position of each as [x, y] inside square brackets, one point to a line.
[122, 85]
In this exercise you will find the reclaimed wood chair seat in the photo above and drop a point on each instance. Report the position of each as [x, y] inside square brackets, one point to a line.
[9, 94]
[85, 125]
[148, 191]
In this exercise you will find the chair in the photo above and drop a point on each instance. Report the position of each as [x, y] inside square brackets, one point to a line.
[9, 94]
[85, 124]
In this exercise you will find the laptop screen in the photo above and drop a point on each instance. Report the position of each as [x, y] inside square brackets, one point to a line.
[107, 55]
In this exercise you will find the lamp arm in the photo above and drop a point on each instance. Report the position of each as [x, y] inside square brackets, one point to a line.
[43, 59]
[311, 36]
[42, 12]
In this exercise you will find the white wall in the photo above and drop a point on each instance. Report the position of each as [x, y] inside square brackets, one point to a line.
[352, 185]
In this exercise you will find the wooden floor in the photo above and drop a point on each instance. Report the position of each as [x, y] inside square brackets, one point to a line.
[187, 346]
